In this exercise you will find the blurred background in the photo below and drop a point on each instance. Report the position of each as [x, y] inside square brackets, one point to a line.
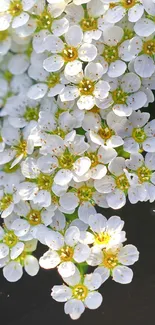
[28, 301]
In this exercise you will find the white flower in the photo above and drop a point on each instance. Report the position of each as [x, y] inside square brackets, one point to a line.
[46, 20]
[59, 120]
[87, 87]
[73, 78]
[15, 254]
[90, 19]
[144, 50]
[114, 262]
[11, 245]
[8, 192]
[138, 134]
[40, 189]
[141, 177]
[69, 53]
[134, 8]
[48, 83]
[125, 94]
[13, 271]
[102, 134]
[99, 159]
[64, 251]
[107, 233]
[69, 156]
[32, 217]
[79, 293]
[15, 12]
[115, 185]
[20, 144]
[113, 51]
[20, 110]
[84, 196]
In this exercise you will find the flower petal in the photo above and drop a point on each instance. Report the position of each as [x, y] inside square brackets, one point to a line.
[61, 293]
[72, 236]
[122, 274]
[12, 271]
[81, 253]
[128, 255]
[74, 308]
[93, 300]
[66, 269]
[49, 260]
[31, 265]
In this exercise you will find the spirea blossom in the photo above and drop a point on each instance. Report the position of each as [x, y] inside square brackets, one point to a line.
[74, 76]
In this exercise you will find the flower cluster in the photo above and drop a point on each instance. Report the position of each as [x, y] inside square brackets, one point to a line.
[73, 78]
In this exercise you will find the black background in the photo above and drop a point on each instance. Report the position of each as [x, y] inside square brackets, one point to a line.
[28, 302]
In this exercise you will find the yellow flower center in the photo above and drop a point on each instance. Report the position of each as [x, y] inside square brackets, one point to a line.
[66, 160]
[110, 53]
[119, 96]
[10, 239]
[15, 8]
[85, 193]
[149, 47]
[31, 114]
[139, 135]
[93, 157]
[59, 132]
[66, 253]
[3, 35]
[88, 24]
[86, 87]
[53, 79]
[21, 148]
[44, 20]
[34, 217]
[105, 133]
[128, 3]
[102, 239]
[144, 174]
[110, 260]
[70, 54]
[122, 182]
[80, 292]
[6, 201]
[45, 182]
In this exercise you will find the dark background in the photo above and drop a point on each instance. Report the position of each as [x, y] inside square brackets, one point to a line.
[28, 302]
